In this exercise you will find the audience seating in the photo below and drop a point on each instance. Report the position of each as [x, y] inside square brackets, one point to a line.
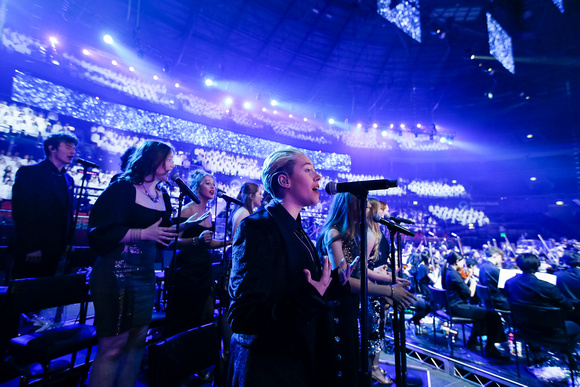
[34, 294]
[173, 360]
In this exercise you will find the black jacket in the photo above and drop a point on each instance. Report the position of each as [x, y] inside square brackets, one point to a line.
[276, 316]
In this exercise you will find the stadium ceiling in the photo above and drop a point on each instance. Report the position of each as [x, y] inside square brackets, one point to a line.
[341, 58]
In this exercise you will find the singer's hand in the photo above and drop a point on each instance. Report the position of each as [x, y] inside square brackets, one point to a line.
[206, 236]
[194, 219]
[321, 285]
[384, 274]
[401, 296]
[345, 270]
[162, 235]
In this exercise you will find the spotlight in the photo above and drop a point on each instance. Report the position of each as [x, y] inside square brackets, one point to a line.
[331, 121]
[274, 102]
[209, 82]
[228, 101]
[290, 115]
[86, 52]
[275, 112]
[131, 68]
[375, 126]
[176, 84]
[559, 203]
[454, 181]
[247, 105]
[114, 62]
[489, 95]
[442, 139]
[305, 119]
[359, 126]
[264, 109]
[108, 39]
[533, 178]
[530, 135]
[53, 40]
[450, 140]
[384, 133]
[155, 77]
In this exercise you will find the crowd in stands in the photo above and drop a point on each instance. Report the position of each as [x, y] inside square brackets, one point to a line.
[158, 93]
[460, 216]
[46, 95]
[436, 189]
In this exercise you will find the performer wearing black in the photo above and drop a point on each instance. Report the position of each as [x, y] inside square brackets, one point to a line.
[526, 288]
[278, 313]
[459, 294]
[42, 198]
[129, 221]
[489, 276]
[568, 281]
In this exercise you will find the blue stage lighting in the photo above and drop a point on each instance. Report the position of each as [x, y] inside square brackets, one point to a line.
[108, 39]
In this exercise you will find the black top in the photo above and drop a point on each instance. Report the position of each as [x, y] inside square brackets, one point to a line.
[114, 214]
[457, 290]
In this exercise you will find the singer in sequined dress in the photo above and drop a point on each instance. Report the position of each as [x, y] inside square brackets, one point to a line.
[128, 224]
[340, 239]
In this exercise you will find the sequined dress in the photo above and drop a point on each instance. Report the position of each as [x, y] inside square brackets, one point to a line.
[344, 309]
[122, 281]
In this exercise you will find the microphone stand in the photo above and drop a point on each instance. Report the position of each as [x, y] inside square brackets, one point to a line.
[173, 265]
[364, 372]
[73, 228]
[402, 379]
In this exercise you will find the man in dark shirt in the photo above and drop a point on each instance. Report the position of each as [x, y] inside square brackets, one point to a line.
[526, 288]
[42, 198]
[489, 276]
[568, 281]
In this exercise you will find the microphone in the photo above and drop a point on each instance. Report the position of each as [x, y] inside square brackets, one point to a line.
[332, 188]
[222, 194]
[86, 163]
[392, 226]
[184, 188]
[401, 220]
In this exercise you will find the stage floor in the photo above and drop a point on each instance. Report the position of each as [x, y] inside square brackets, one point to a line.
[469, 367]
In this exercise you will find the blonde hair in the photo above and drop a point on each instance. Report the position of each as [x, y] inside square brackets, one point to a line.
[374, 227]
[279, 162]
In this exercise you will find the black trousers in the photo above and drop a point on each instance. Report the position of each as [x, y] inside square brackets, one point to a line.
[488, 322]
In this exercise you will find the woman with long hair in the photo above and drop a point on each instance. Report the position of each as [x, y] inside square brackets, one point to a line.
[190, 281]
[128, 223]
[340, 239]
[251, 196]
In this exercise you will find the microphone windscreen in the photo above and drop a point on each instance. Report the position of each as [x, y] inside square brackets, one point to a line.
[330, 188]
[377, 218]
[175, 177]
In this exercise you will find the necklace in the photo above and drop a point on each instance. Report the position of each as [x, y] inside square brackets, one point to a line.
[154, 200]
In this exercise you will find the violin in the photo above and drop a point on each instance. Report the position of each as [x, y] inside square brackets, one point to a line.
[465, 274]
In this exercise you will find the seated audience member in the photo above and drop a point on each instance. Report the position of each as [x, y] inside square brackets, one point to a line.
[526, 288]
[489, 276]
